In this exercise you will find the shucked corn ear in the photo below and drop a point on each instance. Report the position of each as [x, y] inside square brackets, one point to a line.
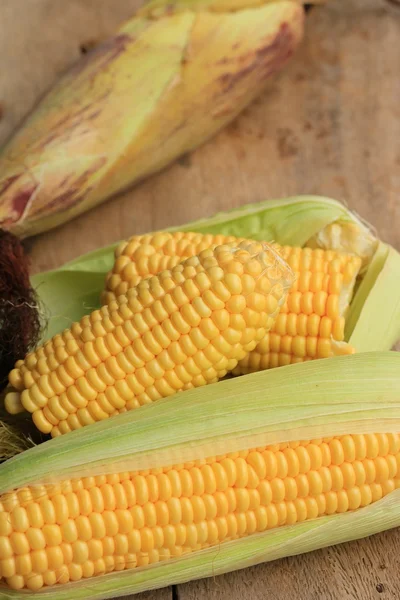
[311, 321]
[168, 80]
[218, 479]
[182, 328]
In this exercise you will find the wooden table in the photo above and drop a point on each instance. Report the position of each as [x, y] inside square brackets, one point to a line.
[330, 124]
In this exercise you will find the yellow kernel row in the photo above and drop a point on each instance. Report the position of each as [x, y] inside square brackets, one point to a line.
[303, 325]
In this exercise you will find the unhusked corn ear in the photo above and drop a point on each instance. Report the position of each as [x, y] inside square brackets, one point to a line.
[122, 113]
[310, 323]
[182, 328]
[79, 528]
[144, 255]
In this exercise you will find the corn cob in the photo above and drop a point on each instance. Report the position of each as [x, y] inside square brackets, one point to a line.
[253, 469]
[154, 91]
[179, 329]
[310, 323]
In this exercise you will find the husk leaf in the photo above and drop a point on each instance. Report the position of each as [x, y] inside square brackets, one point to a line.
[346, 394]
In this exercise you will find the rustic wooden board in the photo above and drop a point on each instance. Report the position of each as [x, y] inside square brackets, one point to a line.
[361, 570]
[330, 124]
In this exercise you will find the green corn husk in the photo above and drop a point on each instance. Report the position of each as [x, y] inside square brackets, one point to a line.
[352, 394]
[74, 290]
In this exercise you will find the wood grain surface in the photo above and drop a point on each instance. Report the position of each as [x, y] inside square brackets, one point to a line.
[329, 124]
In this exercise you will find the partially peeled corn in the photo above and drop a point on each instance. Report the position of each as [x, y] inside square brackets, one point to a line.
[79, 528]
[254, 481]
[182, 328]
[301, 221]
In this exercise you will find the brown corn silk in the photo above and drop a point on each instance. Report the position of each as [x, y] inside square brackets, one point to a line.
[19, 315]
